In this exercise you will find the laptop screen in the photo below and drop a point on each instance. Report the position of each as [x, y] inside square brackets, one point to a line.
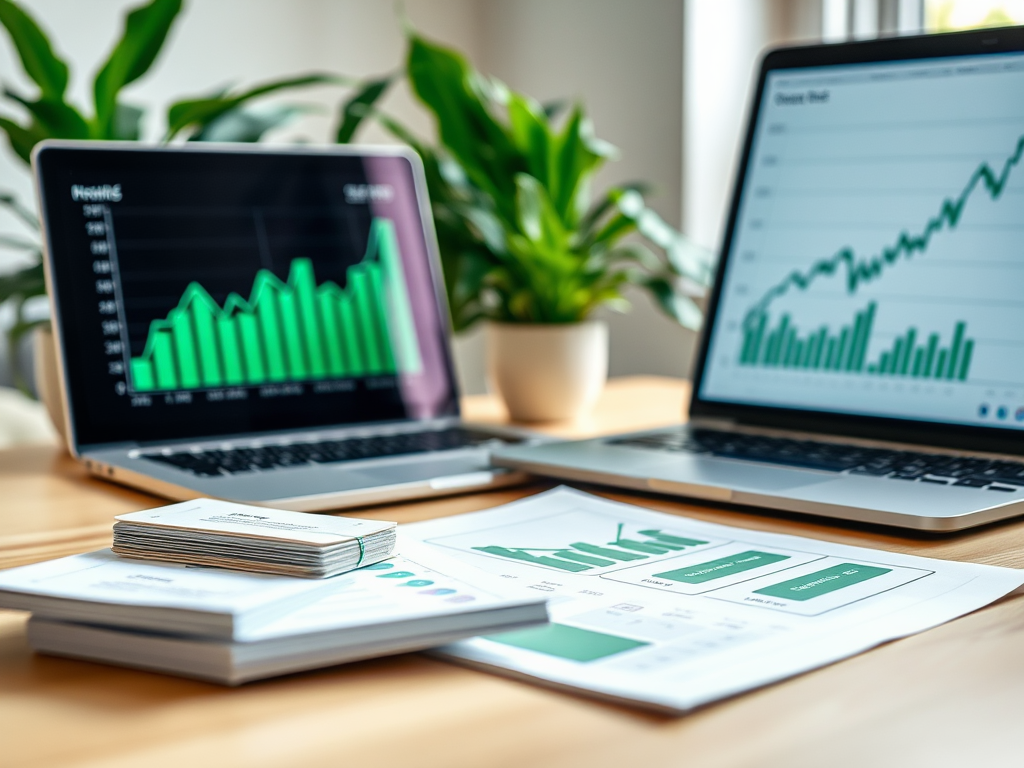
[876, 258]
[217, 292]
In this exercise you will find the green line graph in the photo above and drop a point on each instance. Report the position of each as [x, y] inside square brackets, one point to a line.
[288, 331]
[906, 245]
[845, 350]
[581, 556]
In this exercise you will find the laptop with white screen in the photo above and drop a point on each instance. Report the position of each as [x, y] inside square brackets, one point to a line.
[863, 356]
[262, 325]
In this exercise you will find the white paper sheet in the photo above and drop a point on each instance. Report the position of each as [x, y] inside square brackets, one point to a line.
[675, 613]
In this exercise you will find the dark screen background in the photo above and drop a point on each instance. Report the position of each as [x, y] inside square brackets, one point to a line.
[217, 218]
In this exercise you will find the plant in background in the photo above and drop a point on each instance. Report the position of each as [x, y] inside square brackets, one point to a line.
[223, 115]
[521, 239]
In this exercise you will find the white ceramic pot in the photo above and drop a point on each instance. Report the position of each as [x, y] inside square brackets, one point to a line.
[547, 372]
[44, 360]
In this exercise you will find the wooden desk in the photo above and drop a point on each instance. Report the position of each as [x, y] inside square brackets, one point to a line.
[950, 696]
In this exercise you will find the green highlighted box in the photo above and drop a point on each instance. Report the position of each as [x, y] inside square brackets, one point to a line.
[567, 642]
[725, 566]
[823, 582]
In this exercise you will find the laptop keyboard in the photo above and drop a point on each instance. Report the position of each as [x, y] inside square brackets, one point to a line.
[236, 460]
[907, 466]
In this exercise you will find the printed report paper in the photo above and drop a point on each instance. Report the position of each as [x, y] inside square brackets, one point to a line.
[102, 588]
[417, 600]
[675, 613]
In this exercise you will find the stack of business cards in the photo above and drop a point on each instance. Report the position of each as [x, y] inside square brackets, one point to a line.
[220, 534]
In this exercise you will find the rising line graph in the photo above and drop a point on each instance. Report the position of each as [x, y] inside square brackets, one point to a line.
[905, 246]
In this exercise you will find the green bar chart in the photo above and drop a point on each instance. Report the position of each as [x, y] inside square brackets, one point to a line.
[288, 331]
[910, 355]
[582, 556]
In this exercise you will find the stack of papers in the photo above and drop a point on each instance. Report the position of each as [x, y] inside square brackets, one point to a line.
[232, 627]
[674, 613]
[225, 535]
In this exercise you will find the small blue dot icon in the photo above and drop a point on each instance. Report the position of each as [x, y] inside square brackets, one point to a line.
[1002, 412]
[983, 410]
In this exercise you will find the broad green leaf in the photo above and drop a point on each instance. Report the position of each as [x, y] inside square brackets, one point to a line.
[533, 138]
[10, 201]
[198, 113]
[676, 305]
[579, 155]
[537, 218]
[41, 64]
[355, 109]
[25, 283]
[455, 94]
[21, 139]
[685, 257]
[145, 30]
[17, 243]
[608, 202]
[55, 119]
[552, 109]
[128, 122]
[249, 124]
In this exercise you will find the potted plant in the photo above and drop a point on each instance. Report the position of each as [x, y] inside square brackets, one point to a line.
[524, 247]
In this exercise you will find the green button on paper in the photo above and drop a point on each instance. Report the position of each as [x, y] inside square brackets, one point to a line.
[823, 582]
[567, 642]
[726, 566]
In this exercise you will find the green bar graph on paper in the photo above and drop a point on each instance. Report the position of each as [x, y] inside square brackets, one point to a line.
[293, 330]
[582, 556]
[845, 349]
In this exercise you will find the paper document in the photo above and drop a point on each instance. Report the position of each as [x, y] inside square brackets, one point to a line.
[675, 613]
[418, 600]
[102, 588]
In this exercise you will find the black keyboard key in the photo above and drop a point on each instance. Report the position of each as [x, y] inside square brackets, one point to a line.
[972, 482]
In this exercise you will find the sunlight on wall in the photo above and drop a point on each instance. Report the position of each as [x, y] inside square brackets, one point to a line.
[950, 15]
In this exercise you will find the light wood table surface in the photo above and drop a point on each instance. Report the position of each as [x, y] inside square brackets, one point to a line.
[953, 696]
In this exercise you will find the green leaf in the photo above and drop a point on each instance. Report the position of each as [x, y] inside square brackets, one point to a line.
[538, 219]
[39, 61]
[579, 155]
[145, 30]
[685, 257]
[21, 139]
[199, 113]
[17, 243]
[54, 118]
[676, 305]
[355, 109]
[533, 138]
[609, 201]
[460, 100]
[128, 122]
[249, 124]
[10, 201]
[25, 283]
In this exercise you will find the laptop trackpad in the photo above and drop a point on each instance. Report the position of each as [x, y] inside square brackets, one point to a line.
[746, 475]
[411, 472]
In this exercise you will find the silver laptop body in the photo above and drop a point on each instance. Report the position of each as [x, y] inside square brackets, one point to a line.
[863, 356]
[262, 325]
